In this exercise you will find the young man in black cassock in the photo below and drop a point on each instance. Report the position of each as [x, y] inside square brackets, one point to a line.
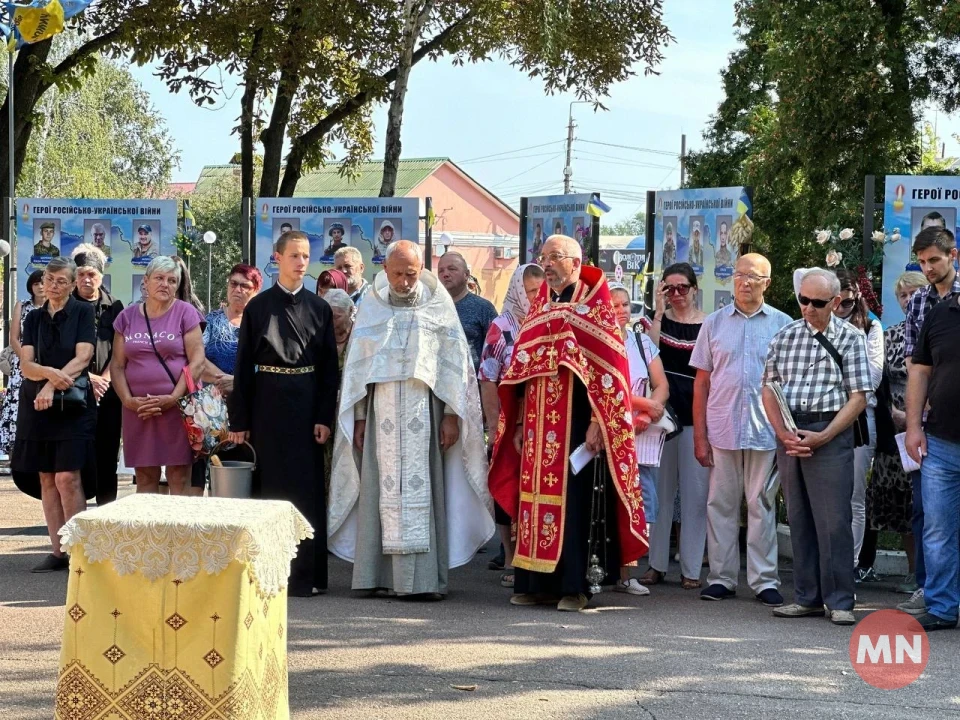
[284, 400]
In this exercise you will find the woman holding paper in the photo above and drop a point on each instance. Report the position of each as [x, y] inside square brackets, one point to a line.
[650, 391]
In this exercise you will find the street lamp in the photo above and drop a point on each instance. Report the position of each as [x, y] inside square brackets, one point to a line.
[209, 237]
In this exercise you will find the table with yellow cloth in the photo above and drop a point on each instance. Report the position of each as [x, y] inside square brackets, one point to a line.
[177, 608]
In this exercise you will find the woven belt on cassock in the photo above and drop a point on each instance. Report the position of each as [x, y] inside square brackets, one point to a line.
[284, 370]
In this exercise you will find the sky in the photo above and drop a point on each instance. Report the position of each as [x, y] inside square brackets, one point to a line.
[500, 127]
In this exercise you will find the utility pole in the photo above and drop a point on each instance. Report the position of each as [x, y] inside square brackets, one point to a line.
[568, 168]
[683, 159]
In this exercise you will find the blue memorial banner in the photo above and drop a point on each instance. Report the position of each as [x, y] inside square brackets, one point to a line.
[704, 227]
[911, 203]
[368, 224]
[129, 232]
[558, 215]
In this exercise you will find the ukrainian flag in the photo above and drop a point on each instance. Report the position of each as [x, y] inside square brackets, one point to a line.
[36, 20]
[189, 221]
[596, 206]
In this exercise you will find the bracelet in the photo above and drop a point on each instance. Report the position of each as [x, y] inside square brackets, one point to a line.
[656, 319]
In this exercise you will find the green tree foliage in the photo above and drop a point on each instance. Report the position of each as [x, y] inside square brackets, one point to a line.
[312, 71]
[216, 207]
[101, 139]
[818, 96]
[636, 226]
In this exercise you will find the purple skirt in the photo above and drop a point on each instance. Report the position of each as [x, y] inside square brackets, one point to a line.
[155, 441]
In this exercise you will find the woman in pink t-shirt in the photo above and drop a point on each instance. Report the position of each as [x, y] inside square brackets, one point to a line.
[154, 342]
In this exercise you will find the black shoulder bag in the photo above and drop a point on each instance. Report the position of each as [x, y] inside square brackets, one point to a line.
[861, 430]
[667, 410]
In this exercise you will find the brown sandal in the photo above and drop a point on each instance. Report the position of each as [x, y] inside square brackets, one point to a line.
[652, 577]
[689, 583]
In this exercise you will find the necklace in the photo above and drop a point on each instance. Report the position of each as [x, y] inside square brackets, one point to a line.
[404, 355]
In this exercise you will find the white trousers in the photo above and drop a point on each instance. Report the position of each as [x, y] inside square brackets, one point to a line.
[679, 468]
[735, 474]
[862, 462]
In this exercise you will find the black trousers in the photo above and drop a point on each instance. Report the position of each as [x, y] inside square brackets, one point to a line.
[109, 423]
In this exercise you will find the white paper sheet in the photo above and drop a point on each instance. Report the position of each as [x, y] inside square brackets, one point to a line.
[909, 464]
[580, 457]
[649, 446]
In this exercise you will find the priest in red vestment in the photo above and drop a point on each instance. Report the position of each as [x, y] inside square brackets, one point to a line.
[567, 386]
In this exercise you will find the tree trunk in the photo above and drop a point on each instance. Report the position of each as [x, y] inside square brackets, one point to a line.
[302, 143]
[27, 89]
[247, 109]
[415, 15]
[273, 135]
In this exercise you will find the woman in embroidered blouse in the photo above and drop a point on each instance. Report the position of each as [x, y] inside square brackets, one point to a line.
[674, 331]
[222, 333]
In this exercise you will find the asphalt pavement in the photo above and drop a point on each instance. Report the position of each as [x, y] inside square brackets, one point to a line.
[473, 655]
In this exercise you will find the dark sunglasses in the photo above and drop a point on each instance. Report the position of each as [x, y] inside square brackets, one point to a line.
[681, 290]
[816, 302]
[848, 303]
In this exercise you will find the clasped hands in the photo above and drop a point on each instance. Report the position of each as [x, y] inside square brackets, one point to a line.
[802, 443]
[56, 380]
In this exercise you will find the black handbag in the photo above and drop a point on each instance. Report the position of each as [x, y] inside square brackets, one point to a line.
[861, 430]
[75, 396]
[667, 410]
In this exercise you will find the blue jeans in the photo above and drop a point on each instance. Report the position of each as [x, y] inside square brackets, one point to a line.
[648, 490]
[916, 522]
[940, 484]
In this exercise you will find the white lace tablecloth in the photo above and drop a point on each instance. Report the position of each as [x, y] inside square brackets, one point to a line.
[161, 535]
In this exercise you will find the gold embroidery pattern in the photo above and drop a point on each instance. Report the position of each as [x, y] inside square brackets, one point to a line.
[548, 530]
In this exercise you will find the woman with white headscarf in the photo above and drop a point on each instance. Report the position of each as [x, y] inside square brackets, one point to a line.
[494, 361]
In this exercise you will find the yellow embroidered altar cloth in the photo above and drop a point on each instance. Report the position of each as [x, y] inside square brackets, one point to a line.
[177, 608]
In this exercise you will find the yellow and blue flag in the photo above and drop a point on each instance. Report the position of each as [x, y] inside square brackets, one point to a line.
[189, 221]
[596, 206]
[32, 21]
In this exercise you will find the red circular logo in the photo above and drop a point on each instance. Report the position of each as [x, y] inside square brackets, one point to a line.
[889, 649]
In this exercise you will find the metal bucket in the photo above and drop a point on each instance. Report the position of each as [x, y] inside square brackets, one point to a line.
[233, 478]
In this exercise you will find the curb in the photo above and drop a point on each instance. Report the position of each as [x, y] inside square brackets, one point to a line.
[889, 562]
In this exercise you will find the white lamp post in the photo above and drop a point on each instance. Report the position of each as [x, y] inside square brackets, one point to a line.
[209, 237]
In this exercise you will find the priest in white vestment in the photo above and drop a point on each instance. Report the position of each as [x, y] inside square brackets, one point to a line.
[408, 492]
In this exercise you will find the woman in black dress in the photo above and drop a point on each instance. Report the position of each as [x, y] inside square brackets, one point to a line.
[55, 437]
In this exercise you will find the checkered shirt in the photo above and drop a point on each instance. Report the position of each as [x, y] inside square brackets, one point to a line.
[923, 300]
[811, 379]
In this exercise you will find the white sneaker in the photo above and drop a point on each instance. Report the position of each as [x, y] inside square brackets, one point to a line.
[631, 586]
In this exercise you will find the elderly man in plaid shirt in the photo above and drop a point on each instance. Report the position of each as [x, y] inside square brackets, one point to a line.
[816, 462]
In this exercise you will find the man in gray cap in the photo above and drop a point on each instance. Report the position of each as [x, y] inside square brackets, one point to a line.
[145, 246]
[46, 248]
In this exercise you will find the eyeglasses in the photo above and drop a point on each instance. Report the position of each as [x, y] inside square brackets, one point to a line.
[682, 290]
[848, 303]
[750, 277]
[57, 283]
[235, 285]
[552, 258]
[816, 302]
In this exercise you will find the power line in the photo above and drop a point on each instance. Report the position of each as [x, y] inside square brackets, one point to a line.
[672, 170]
[630, 147]
[530, 169]
[504, 159]
[593, 157]
[510, 152]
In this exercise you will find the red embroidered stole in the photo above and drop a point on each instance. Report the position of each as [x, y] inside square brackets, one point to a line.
[560, 344]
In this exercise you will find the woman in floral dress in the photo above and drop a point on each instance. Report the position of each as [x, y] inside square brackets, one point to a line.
[8, 410]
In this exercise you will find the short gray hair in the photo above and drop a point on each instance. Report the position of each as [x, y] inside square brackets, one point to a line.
[337, 298]
[163, 263]
[59, 264]
[832, 280]
[343, 252]
[391, 248]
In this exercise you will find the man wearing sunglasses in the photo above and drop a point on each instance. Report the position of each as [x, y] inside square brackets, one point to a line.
[732, 437]
[816, 462]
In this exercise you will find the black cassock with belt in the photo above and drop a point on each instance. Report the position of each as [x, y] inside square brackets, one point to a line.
[281, 331]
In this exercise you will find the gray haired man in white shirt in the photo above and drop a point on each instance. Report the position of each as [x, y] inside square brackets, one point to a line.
[732, 436]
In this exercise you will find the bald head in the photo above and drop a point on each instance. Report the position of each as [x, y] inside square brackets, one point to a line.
[403, 263]
[750, 281]
[561, 258]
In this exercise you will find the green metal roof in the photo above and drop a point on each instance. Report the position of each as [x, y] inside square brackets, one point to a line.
[327, 181]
